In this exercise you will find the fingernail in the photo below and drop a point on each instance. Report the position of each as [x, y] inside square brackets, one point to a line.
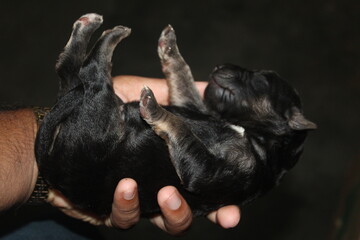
[173, 202]
[128, 195]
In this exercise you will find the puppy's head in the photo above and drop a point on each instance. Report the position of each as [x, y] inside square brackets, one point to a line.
[267, 107]
[240, 94]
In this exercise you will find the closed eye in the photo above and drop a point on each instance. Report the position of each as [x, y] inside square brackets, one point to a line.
[227, 94]
[221, 86]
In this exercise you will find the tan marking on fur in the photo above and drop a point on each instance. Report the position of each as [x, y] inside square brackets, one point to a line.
[167, 131]
[263, 107]
[162, 127]
[168, 128]
[57, 199]
[56, 133]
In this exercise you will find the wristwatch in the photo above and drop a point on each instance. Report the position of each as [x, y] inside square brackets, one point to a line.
[41, 191]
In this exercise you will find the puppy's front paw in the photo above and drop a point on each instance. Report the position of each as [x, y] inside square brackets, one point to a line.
[156, 116]
[149, 108]
[167, 43]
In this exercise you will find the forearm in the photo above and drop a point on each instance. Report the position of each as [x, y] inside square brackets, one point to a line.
[18, 169]
[128, 88]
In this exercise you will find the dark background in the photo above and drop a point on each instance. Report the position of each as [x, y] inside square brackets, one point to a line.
[315, 45]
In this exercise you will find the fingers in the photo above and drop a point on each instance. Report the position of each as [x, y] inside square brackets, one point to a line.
[226, 217]
[176, 215]
[125, 209]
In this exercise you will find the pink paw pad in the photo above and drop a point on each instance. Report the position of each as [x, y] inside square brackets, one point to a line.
[91, 18]
[84, 20]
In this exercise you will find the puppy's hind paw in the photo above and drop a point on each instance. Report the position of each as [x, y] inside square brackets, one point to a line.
[91, 20]
[149, 108]
[119, 32]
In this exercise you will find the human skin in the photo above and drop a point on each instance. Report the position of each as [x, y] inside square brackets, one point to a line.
[18, 170]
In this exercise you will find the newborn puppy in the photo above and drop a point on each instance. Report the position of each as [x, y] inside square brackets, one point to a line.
[229, 148]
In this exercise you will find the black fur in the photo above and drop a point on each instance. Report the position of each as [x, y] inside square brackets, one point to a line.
[91, 139]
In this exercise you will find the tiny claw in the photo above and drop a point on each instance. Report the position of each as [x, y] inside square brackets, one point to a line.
[168, 29]
[123, 29]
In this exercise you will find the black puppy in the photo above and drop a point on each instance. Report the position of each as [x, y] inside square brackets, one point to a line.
[228, 149]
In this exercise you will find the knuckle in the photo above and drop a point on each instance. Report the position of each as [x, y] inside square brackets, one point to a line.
[124, 222]
[179, 225]
[125, 218]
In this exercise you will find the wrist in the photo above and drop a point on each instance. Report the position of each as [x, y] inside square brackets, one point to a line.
[40, 191]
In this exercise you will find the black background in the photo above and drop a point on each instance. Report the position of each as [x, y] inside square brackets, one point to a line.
[313, 44]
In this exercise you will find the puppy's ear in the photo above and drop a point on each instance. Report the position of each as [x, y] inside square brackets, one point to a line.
[298, 122]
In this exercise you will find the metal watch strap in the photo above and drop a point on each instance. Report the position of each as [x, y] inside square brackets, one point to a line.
[40, 193]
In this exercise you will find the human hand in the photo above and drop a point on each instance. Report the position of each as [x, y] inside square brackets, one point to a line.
[174, 221]
[175, 216]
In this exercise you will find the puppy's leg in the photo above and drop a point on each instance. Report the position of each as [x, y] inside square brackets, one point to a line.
[71, 60]
[182, 90]
[194, 164]
[96, 70]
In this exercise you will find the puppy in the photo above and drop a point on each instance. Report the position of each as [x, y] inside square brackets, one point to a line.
[229, 148]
